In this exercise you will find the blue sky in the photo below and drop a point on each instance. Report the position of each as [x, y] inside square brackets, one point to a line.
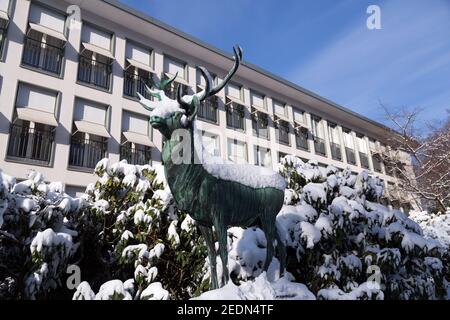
[325, 46]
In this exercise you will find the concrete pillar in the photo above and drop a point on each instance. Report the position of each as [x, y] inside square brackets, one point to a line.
[342, 143]
[324, 123]
[355, 143]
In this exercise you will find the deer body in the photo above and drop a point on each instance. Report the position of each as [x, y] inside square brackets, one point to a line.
[196, 191]
[210, 199]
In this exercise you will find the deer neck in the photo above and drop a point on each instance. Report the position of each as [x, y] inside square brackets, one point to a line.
[183, 178]
[169, 151]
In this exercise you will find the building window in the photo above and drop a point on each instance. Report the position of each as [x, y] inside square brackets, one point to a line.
[208, 108]
[95, 70]
[3, 33]
[235, 116]
[349, 146]
[376, 160]
[363, 151]
[260, 124]
[135, 154]
[45, 40]
[136, 144]
[282, 131]
[171, 91]
[138, 72]
[86, 150]
[95, 59]
[301, 138]
[32, 131]
[211, 143]
[44, 53]
[135, 81]
[237, 151]
[318, 136]
[89, 134]
[31, 141]
[376, 157]
[4, 22]
[335, 145]
[263, 157]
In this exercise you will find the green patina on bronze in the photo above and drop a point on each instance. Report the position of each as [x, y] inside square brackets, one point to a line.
[211, 201]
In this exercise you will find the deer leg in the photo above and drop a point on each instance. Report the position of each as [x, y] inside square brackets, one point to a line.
[281, 250]
[269, 229]
[223, 251]
[209, 239]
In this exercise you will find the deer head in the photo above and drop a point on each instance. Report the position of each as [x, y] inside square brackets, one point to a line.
[167, 114]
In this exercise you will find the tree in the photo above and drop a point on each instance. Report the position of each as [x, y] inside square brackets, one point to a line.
[426, 175]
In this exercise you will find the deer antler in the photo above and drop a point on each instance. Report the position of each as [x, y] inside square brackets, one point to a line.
[191, 105]
[166, 82]
[237, 61]
[209, 89]
[147, 104]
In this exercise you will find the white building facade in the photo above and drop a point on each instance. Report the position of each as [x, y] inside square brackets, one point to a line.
[69, 76]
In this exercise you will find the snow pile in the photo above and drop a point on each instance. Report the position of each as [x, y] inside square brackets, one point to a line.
[261, 289]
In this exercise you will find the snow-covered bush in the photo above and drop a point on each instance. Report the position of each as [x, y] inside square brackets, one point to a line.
[125, 235]
[36, 239]
[341, 242]
[436, 226]
[348, 244]
[130, 242]
[149, 248]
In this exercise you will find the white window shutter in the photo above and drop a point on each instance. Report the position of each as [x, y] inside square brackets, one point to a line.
[333, 133]
[299, 116]
[279, 108]
[135, 123]
[234, 91]
[317, 128]
[96, 37]
[258, 100]
[171, 66]
[362, 145]
[47, 18]
[4, 5]
[137, 53]
[348, 137]
[36, 98]
[90, 112]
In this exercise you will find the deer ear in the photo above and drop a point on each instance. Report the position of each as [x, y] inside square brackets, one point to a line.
[195, 104]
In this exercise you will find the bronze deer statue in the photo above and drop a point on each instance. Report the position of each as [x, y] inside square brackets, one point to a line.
[214, 193]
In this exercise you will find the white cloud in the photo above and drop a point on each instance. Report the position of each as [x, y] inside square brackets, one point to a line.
[391, 64]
